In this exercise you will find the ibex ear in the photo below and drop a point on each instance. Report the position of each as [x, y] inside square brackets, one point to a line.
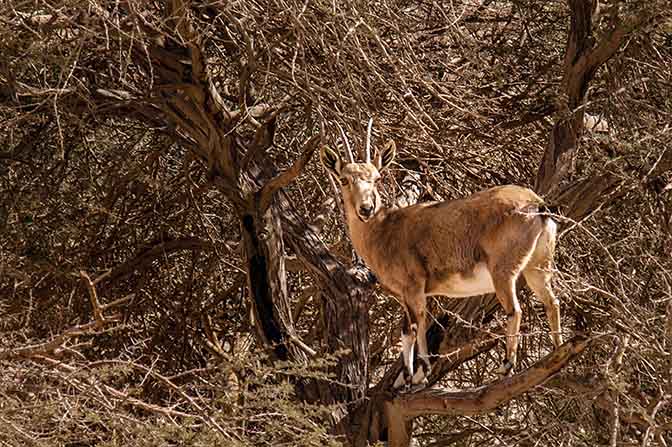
[385, 156]
[331, 160]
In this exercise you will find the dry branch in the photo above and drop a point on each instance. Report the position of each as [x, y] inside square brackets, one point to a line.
[285, 178]
[438, 401]
[56, 347]
[444, 402]
[93, 295]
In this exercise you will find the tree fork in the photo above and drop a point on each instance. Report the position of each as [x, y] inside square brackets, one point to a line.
[400, 410]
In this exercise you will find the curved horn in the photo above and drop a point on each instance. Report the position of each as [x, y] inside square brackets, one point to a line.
[348, 149]
[368, 141]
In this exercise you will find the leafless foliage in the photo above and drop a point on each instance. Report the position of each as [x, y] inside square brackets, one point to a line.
[136, 136]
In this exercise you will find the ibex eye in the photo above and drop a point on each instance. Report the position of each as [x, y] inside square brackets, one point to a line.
[344, 182]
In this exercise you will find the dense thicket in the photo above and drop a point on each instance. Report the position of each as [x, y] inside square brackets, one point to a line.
[166, 277]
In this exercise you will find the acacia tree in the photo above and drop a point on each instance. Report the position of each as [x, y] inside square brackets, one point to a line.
[222, 107]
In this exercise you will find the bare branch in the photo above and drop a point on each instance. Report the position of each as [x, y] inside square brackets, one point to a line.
[95, 305]
[286, 177]
[488, 397]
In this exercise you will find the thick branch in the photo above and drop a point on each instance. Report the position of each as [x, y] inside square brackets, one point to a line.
[583, 197]
[285, 178]
[607, 48]
[488, 397]
[582, 60]
[145, 258]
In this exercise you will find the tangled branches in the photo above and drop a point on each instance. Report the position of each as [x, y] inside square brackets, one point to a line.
[137, 140]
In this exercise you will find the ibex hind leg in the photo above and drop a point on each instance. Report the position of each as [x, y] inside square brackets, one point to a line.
[506, 262]
[505, 287]
[538, 275]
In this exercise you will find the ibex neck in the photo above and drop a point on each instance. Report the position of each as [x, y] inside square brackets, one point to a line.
[361, 233]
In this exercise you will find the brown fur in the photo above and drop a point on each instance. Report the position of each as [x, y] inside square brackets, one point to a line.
[441, 238]
[474, 244]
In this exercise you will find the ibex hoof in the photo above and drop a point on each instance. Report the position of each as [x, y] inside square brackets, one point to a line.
[506, 369]
[427, 368]
[402, 384]
[409, 387]
[404, 380]
[419, 379]
[415, 387]
[414, 330]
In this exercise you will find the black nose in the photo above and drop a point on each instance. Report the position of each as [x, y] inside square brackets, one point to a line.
[366, 210]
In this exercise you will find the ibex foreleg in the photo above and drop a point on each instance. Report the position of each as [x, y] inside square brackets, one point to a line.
[407, 350]
[417, 306]
[408, 336]
[505, 288]
[413, 330]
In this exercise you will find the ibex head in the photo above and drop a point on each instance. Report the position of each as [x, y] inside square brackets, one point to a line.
[358, 180]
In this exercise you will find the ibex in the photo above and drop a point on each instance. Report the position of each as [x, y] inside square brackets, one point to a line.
[459, 248]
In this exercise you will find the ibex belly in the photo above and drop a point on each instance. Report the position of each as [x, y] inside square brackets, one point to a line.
[461, 285]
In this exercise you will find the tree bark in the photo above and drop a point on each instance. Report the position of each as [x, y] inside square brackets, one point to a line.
[582, 60]
[267, 283]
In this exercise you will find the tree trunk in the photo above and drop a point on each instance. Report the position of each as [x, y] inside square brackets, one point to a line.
[267, 282]
[582, 59]
[345, 294]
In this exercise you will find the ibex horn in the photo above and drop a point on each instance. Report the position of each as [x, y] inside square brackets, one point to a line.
[368, 141]
[348, 149]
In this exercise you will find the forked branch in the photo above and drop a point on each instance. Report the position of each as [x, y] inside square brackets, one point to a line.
[56, 346]
[285, 178]
[405, 407]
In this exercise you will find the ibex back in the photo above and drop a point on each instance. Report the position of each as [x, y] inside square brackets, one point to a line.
[471, 246]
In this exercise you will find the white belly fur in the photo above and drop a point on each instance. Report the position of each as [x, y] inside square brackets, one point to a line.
[461, 286]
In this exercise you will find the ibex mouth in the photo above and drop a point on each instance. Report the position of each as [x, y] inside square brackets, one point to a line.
[367, 210]
[365, 213]
[363, 218]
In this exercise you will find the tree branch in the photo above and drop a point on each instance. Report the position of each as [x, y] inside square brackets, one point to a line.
[443, 402]
[285, 178]
[148, 255]
[606, 48]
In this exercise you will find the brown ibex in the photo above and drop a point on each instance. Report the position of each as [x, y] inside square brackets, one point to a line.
[459, 248]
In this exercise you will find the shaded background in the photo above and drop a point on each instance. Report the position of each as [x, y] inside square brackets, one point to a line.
[138, 141]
